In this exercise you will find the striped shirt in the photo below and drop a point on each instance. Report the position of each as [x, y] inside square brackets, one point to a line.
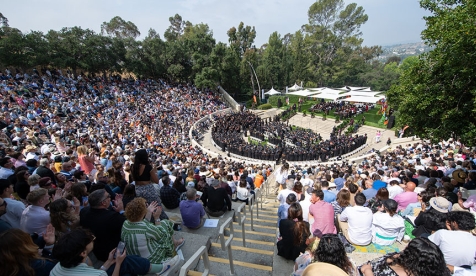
[80, 270]
[147, 240]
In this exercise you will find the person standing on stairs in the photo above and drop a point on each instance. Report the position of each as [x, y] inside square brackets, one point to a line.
[281, 177]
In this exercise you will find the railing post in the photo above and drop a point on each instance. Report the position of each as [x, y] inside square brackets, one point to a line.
[251, 202]
[202, 252]
[241, 220]
[259, 198]
[227, 243]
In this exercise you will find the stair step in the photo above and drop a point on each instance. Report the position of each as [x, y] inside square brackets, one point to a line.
[240, 263]
[261, 220]
[247, 249]
[196, 273]
[259, 226]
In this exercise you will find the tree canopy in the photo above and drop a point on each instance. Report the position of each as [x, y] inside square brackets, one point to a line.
[436, 93]
[326, 51]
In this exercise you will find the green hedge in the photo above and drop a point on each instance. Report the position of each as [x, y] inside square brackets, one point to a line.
[265, 106]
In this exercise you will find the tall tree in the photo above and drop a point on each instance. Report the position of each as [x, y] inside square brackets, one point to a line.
[176, 28]
[3, 20]
[436, 96]
[332, 34]
[118, 27]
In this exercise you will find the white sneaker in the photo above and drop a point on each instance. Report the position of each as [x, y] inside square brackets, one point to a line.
[168, 264]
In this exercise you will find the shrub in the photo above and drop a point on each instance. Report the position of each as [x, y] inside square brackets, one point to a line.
[265, 106]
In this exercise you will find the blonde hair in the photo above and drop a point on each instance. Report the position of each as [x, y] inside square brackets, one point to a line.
[82, 150]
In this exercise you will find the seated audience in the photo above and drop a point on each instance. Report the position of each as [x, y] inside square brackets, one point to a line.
[170, 196]
[191, 211]
[387, 225]
[456, 242]
[421, 257]
[432, 219]
[153, 241]
[14, 209]
[35, 218]
[104, 223]
[216, 200]
[342, 201]
[330, 250]
[323, 215]
[356, 222]
[19, 255]
[294, 233]
[407, 197]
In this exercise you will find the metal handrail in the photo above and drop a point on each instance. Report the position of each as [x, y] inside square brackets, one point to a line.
[241, 220]
[227, 244]
[202, 252]
[259, 199]
[251, 203]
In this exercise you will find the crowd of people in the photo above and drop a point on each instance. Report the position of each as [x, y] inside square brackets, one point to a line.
[94, 162]
[292, 144]
[412, 194]
[341, 108]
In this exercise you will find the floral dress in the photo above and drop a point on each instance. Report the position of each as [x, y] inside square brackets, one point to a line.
[380, 267]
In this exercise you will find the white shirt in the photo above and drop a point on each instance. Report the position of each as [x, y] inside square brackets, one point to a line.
[387, 229]
[394, 190]
[283, 194]
[458, 247]
[5, 172]
[360, 224]
[14, 211]
[34, 219]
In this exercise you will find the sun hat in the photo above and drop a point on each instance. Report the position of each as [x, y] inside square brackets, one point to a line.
[323, 269]
[440, 204]
[459, 175]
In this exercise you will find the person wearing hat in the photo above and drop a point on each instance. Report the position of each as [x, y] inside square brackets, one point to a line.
[432, 219]
[191, 211]
[456, 242]
[31, 153]
[460, 177]
[387, 225]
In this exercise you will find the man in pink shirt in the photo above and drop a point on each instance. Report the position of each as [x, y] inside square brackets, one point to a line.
[407, 197]
[323, 214]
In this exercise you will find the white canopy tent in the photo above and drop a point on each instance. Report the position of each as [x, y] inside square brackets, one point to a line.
[360, 93]
[326, 96]
[363, 99]
[346, 88]
[304, 93]
[317, 89]
[295, 87]
[272, 92]
[357, 88]
[331, 91]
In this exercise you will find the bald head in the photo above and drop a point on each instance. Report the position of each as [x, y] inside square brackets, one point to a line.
[411, 186]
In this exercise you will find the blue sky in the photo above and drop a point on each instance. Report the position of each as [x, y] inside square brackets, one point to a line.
[390, 21]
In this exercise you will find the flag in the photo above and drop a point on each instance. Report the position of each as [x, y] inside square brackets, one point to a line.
[254, 98]
[382, 120]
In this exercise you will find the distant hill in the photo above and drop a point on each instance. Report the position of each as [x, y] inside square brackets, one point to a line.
[403, 50]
